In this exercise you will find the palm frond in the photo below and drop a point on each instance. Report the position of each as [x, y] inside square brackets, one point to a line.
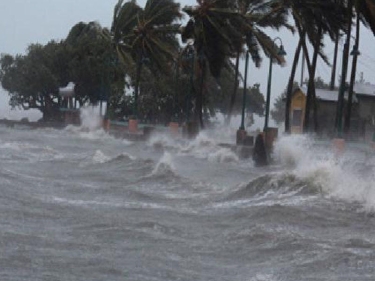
[269, 47]
[161, 12]
[366, 11]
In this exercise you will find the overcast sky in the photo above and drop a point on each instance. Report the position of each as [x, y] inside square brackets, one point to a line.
[37, 21]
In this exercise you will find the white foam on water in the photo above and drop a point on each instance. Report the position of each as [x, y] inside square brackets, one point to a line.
[90, 119]
[91, 126]
[201, 147]
[160, 140]
[223, 155]
[264, 277]
[165, 164]
[99, 157]
[337, 176]
[33, 153]
[98, 134]
[204, 146]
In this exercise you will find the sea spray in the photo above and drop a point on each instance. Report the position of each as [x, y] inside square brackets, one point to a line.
[315, 162]
[100, 157]
[91, 125]
[90, 119]
[161, 141]
[165, 164]
[201, 146]
[223, 155]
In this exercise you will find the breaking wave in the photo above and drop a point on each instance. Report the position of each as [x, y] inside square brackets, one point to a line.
[165, 166]
[349, 177]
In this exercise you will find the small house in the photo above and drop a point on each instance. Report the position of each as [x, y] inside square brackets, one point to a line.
[363, 110]
[365, 93]
[67, 102]
[326, 107]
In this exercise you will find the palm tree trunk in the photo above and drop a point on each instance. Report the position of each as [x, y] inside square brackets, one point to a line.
[311, 95]
[290, 87]
[352, 79]
[136, 89]
[333, 74]
[234, 93]
[199, 101]
[302, 35]
[344, 70]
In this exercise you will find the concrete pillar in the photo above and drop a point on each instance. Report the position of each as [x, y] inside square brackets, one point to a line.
[173, 128]
[106, 124]
[270, 137]
[191, 129]
[240, 137]
[133, 126]
[338, 146]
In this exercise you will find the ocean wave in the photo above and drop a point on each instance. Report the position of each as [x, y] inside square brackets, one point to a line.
[274, 184]
[99, 157]
[163, 168]
[164, 141]
[349, 177]
[206, 147]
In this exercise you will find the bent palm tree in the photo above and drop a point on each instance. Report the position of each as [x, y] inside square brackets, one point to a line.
[312, 19]
[258, 14]
[215, 39]
[365, 13]
[148, 33]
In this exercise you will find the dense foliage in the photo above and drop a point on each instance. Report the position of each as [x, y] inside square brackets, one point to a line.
[140, 67]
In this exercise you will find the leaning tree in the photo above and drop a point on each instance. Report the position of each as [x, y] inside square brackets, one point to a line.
[146, 37]
[257, 16]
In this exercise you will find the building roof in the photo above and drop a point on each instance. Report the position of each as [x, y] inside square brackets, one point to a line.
[328, 95]
[67, 91]
[364, 89]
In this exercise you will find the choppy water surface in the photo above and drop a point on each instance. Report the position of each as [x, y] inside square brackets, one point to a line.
[77, 205]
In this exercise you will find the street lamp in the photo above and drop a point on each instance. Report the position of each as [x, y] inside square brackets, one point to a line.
[241, 133]
[280, 52]
[355, 51]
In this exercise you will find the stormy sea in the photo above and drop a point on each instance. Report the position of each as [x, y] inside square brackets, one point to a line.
[79, 204]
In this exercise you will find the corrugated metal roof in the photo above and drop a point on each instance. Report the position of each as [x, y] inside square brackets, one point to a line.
[328, 95]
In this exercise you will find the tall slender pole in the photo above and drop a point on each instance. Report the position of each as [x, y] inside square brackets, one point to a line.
[355, 54]
[290, 86]
[345, 57]
[268, 96]
[242, 127]
[302, 68]
[334, 66]
[333, 74]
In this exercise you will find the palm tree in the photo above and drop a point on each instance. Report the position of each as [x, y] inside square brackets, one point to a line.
[212, 27]
[312, 19]
[365, 13]
[146, 34]
[335, 53]
[355, 54]
[257, 14]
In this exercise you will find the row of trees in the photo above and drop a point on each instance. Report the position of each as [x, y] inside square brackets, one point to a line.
[222, 30]
[102, 71]
[196, 78]
[85, 57]
[216, 32]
